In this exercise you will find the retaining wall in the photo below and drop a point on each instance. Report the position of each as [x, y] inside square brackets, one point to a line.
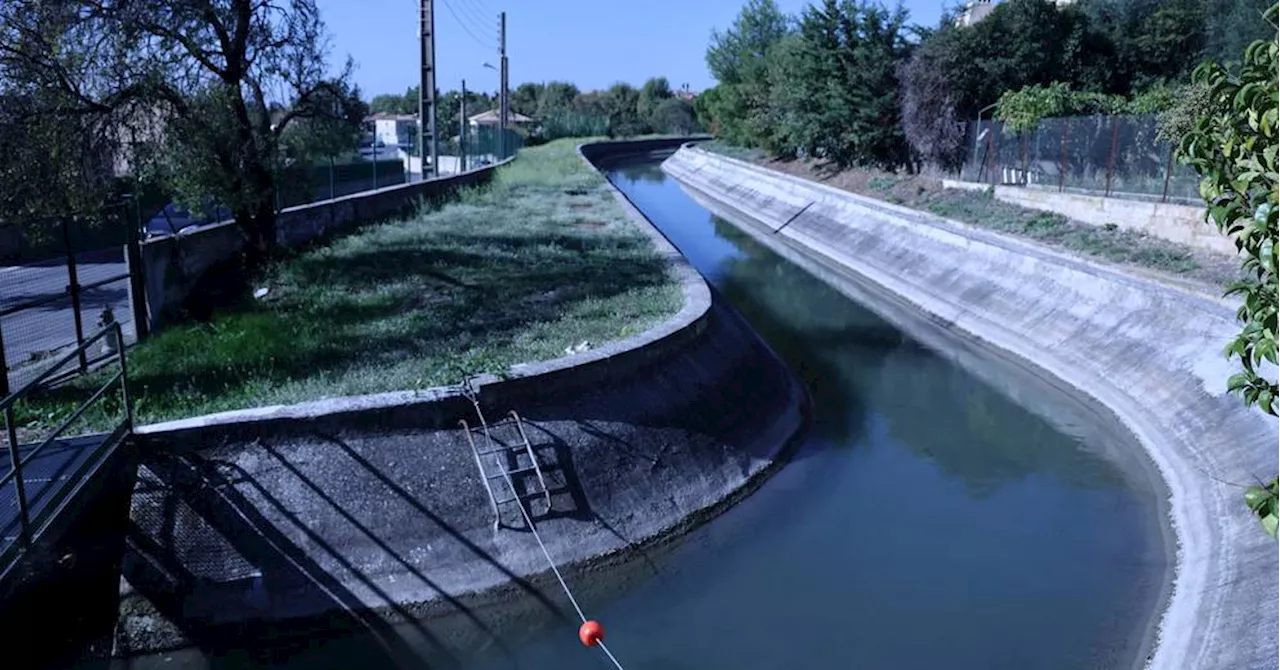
[1146, 352]
[365, 514]
[1183, 224]
[172, 264]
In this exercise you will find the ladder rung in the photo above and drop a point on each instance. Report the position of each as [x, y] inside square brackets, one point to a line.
[530, 494]
[499, 450]
[517, 471]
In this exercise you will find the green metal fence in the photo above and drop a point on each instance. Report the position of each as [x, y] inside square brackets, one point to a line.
[1120, 156]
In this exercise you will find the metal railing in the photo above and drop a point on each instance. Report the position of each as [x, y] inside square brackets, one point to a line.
[31, 524]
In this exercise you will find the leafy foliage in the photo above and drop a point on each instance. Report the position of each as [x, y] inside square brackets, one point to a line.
[1234, 148]
[1022, 109]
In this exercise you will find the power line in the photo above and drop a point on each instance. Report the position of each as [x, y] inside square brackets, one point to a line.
[467, 30]
[477, 15]
[483, 8]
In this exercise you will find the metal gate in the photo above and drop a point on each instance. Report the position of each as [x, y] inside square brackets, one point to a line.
[63, 279]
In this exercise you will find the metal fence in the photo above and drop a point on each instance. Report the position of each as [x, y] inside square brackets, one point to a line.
[1103, 155]
[48, 304]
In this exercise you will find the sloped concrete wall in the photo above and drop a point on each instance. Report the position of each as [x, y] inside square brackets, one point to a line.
[1148, 353]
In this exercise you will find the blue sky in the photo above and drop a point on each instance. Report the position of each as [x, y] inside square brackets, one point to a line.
[592, 43]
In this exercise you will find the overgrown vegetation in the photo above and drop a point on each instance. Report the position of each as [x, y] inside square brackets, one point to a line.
[1234, 148]
[541, 260]
[845, 81]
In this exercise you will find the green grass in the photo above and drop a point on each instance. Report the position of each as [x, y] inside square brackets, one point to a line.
[1109, 243]
[540, 260]
[732, 151]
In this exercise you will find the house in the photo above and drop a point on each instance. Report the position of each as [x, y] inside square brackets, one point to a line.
[493, 118]
[685, 94]
[973, 12]
[394, 130]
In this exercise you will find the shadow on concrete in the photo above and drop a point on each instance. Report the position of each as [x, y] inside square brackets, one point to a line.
[276, 567]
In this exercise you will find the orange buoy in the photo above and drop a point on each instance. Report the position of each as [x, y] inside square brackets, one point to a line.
[591, 633]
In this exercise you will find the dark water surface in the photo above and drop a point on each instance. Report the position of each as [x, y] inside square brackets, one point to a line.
[929, 521]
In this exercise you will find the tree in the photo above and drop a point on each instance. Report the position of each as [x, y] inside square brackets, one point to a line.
[931, 121]
[54, 165]
[621, 103]
[674, 116]
[652, 94]
[1234, 149]
[736, 59]
[833, 87]
[557, 99]
[525, 98]
[227, 78]
[1232, 25]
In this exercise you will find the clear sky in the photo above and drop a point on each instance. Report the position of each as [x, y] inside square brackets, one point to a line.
[592, 43]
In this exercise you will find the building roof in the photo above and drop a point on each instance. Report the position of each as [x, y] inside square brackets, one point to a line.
[491, 117]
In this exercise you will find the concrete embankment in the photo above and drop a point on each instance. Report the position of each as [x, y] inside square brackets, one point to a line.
[1149, 354]
[366, 515]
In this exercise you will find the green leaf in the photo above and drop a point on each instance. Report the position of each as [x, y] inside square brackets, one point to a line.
[1256, 498]
[1270, 524]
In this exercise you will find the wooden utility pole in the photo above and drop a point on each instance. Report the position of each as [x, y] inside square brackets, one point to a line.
[462, 129]
[427, 88]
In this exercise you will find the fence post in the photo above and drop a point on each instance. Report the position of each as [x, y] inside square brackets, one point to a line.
[4, 366]
[137, 281]
[375, 166]
[332, 191]
[1168, 170]
[73, 289]
[1062, 160]
[1026, 141]
[1111, 155]
[19, 484]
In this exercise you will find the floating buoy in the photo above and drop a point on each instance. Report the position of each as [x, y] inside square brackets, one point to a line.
[591, 633]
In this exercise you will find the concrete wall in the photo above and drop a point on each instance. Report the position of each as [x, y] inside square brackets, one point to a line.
[1149, 354]
[1177, 223]
[172, 264]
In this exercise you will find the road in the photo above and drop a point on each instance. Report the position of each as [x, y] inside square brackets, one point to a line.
[34, 336]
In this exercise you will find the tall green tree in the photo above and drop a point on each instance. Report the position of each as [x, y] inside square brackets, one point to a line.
[652, 94]
[621, 103]
[737, 59]
[525, 98]
[557, 99]
[835, 89]
[224, 78]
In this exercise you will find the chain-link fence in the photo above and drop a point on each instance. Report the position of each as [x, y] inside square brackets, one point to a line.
[304, 183]
[77, 284]
[1120, 156]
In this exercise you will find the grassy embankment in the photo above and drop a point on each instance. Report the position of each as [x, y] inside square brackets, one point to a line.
[540, 260]
[1204, 269]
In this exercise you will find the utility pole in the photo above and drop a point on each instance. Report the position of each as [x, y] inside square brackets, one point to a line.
[502, 76]
[462, 129]
[427, 88]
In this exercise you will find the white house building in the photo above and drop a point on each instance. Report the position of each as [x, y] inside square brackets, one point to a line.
[395, 130]
[493, 118]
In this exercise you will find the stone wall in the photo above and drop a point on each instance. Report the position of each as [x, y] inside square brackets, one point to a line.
[172, 264]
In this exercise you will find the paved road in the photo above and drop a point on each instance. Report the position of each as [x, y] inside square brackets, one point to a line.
[34, 336]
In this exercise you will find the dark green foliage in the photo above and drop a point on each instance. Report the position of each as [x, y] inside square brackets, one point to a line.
[737, 59]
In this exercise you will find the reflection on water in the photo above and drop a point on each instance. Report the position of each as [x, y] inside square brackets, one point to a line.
[927, 522]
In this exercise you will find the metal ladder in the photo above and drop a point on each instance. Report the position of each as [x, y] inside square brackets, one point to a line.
[498, 455]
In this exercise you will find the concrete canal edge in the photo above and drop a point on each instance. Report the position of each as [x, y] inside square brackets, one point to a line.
[1149, 354]
[632, 392]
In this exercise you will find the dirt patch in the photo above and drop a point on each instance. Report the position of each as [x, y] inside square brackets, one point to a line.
[903, 189]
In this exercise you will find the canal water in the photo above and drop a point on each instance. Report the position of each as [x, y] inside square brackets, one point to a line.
[929, 520]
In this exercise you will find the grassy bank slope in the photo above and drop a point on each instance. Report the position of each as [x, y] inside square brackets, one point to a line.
[541, 260]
